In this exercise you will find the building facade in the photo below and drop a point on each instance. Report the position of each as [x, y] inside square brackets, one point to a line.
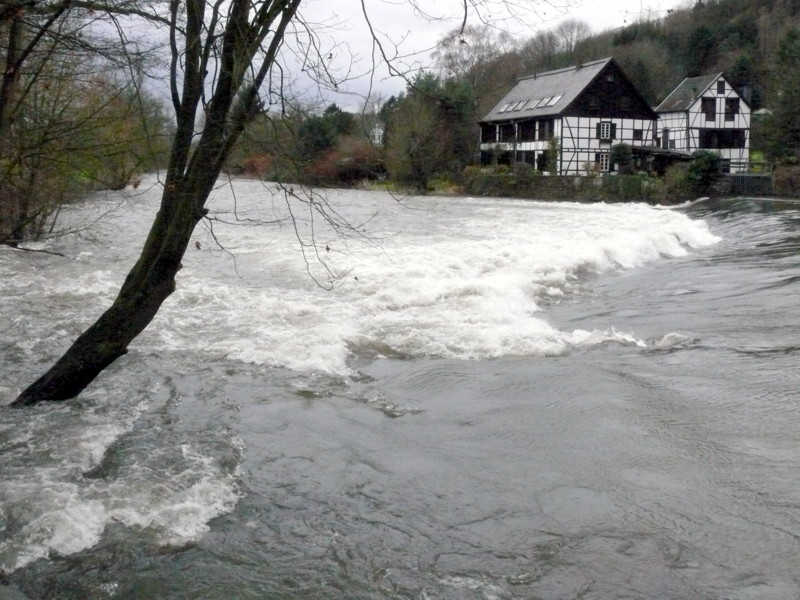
[566, 121]
[706, 113]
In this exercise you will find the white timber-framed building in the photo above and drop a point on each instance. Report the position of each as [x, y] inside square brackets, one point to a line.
[706, 113]
[566, 121]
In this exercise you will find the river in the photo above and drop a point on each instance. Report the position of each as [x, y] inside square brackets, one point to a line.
[452, 399]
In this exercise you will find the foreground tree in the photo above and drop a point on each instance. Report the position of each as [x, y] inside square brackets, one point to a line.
[226, 50]
[228, 37]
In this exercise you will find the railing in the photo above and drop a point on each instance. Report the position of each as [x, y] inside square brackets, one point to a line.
[751, 184]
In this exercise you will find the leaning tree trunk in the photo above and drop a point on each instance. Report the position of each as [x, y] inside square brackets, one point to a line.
[146, 287]
[191, 175]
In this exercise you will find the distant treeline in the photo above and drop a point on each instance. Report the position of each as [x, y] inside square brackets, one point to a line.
[430, 133]
[74, 115]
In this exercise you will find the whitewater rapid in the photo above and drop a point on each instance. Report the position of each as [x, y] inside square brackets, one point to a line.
[268, 283]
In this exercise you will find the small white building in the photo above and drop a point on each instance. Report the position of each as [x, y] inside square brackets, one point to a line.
[706, 113]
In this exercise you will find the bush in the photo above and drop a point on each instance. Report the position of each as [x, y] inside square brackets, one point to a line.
[786, 181]
[677, 183]
[622, 156]
[703, 170]
[523, 172]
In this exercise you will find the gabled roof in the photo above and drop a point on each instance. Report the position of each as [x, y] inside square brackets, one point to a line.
[546, 94]
[687, 93]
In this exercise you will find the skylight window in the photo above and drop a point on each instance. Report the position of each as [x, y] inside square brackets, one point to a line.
[544, 101]
[506, 107]
[554, 100]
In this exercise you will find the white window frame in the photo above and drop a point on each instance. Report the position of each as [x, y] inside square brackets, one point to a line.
[604, 162]
[605, 130]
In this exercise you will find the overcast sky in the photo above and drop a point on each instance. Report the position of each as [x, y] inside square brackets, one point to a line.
[398, 22]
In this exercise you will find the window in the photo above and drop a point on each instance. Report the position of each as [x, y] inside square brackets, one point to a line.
[527, 131]
[602, 160]
[554, 100]
[543, 101]
[722, 138]
[721, 87]
[665, 138]
[488, 134]
[731, 108]
[505, 107]
[547, 129]
[507, 132]
[638, 135]
[606, 130]
[708, 106]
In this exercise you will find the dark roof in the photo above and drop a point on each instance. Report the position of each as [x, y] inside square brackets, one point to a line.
[687, 93]
[545, 94]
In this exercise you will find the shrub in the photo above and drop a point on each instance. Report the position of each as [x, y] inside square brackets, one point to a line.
[677, 183]
[786, 180]
[703, 170]
[622, 156]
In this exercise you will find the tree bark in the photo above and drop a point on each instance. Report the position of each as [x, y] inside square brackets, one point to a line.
[147, 286]
[190, 177]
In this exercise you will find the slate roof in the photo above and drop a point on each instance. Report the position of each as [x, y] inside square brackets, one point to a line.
[545, 94]
[687, 93]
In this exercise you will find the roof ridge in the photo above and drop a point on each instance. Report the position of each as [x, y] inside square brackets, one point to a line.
[566, 69]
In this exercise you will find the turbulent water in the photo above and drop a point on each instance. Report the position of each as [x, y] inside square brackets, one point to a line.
[459, 399]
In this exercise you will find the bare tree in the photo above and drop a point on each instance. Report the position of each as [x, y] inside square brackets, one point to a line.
[52, 55]
[222, 53]
[570, 33]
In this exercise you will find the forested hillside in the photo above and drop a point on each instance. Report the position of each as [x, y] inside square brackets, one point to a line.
[74, 117]
[431, 128]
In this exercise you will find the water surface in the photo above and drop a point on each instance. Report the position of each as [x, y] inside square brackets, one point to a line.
[481, 399]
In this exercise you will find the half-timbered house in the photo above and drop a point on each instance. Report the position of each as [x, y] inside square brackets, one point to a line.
[706, 113]
[566, 121]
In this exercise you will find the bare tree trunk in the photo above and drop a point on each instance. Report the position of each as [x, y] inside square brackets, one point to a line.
[147, 286]
[190, 178]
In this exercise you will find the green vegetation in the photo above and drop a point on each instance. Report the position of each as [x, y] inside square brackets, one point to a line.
[74, 116]
[431, 129]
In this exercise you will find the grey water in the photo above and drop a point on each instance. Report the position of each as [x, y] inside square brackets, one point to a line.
[496, 400]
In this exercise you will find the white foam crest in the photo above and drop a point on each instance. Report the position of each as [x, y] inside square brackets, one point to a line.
[50, 505]
[466, 280]
[597, 337]
[93, 283]
[178, 501]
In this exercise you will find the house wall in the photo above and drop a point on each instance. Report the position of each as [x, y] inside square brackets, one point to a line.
[672, 131]
[692, 130]
[578, 141]
[526, 140]
[580, 144]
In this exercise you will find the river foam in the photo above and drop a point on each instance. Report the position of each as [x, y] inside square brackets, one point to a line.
[430, 277]
[471, 280]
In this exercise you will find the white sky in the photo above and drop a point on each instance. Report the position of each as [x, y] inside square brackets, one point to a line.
[398, 22]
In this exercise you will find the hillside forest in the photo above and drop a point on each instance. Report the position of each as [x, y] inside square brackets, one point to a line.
[76, 114]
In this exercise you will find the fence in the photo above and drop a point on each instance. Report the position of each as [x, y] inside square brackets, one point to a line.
[750, 184]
